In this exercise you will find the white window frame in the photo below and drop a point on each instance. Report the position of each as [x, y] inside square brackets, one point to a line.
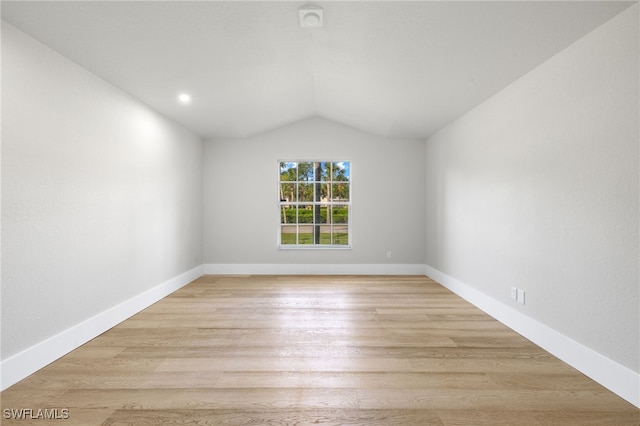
[282, 204]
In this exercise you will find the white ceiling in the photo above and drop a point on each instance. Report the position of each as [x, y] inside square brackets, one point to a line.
[391, 68]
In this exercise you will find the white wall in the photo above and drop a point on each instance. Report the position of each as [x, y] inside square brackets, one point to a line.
[241, 196]
[101, 197]
[538, 188]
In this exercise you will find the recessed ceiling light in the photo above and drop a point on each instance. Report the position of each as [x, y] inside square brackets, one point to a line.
[311, 16]
[184, 98]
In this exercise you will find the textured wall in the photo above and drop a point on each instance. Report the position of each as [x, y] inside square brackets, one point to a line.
[241, 195]
[101, 197]
[538, 188]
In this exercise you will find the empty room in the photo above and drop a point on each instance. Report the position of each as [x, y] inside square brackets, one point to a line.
[332, 212]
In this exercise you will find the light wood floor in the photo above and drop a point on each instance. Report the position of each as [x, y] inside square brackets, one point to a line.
[299, 350]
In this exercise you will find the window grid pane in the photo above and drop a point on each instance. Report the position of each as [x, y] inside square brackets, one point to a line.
[314, 204]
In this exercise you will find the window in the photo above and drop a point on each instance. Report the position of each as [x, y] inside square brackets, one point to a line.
[315, 204]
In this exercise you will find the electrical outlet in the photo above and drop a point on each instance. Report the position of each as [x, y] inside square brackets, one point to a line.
[389, 255]
[514, 293]
[520, 296]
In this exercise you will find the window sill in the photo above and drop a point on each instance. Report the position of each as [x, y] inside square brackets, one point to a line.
[312, 247]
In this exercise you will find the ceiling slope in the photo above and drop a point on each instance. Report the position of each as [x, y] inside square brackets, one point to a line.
[391, 68]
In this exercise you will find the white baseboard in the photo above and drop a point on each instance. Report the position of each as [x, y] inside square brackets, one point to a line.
[312, 269]
[619, 379]
[27, 362]
[615, 377]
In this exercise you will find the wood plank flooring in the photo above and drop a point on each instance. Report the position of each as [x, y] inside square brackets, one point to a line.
[309, 350]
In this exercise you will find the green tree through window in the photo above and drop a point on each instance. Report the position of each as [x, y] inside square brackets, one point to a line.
[315, 204]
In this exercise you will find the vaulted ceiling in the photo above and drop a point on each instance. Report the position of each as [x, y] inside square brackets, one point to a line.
[391, 68]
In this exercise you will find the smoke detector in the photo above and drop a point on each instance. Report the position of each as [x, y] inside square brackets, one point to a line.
[311, 17]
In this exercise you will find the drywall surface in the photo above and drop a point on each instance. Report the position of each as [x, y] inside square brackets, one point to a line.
[241, 216]
[537, 188]
[101, 197]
